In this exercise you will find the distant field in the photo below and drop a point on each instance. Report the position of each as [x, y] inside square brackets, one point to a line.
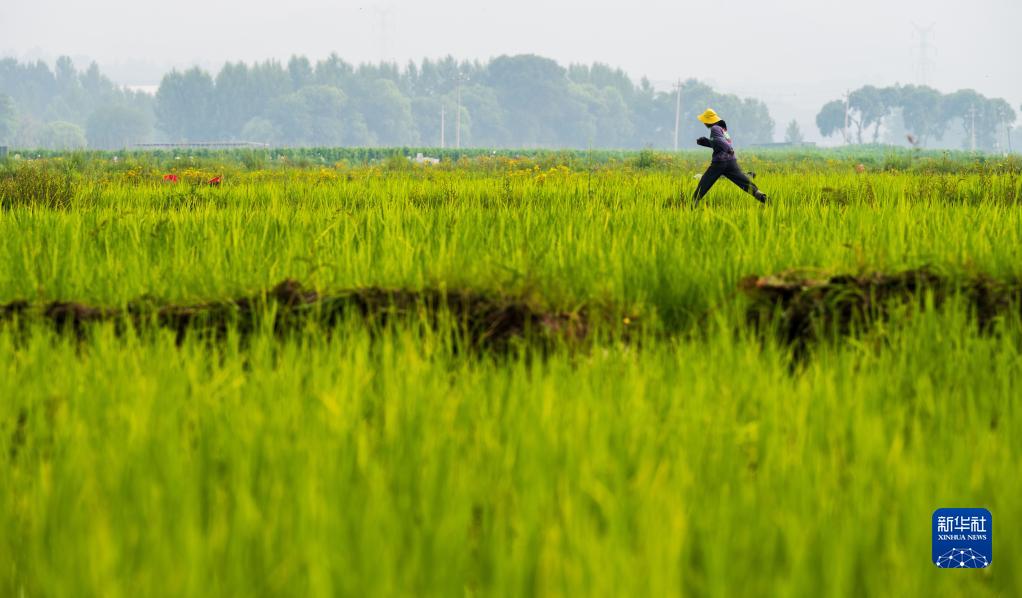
[508, 374]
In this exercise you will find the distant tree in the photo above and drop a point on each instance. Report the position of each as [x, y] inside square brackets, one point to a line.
[261, 130]
[184, 105]
[326, 108]
[922, 112]
[653, 115]
[793, 134]
[8, 119]
[26, 132]
[832, 118]
[96, 91]
[301, 73]
[988, 116]
[61, 135]
[71, 102]
[234, 100]
[312, 116]
[32, 86]
[510, 101]
[95, 84]
[426, 114]
[488, 128]
[117, 127]
[865, 107]
[612, 121]
[754, 118]
[540, 103]
[387, 112]
[290, 120]
[434, 79]
[267, 82]
[65, 74]
[602, 76]
[1001, 116]
[870, 106]
[334, 72]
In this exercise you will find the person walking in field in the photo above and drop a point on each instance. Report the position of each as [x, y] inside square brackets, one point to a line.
[723, 164]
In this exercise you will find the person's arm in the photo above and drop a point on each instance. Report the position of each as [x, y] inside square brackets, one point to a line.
[703, 141]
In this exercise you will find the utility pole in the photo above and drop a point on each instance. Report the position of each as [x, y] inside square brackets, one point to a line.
[972, 128]
[845, 132]
[443, 125]
[677, 114]
[457, 126]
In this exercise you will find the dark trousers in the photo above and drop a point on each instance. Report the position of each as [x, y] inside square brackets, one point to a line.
[730, 170]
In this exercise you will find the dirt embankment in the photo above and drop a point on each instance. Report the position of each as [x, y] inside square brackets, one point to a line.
[803, 309]
[484, 321]
[799, 308]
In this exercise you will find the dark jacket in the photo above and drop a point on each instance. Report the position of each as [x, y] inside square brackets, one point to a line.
[720, 141]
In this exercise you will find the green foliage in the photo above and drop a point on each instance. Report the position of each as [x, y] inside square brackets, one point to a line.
[832, 118]
[793, 134]
[8, 118]
[38, 184]
[513, 101]
[261, 130]
[646, 159]
[117, 127]
[387, 113]
[926, 114]
[185, 106]
[62, 136]
[921, 110]
[64, 94]
[312, 116]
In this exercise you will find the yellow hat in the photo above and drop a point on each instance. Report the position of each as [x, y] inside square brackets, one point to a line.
[709, 117]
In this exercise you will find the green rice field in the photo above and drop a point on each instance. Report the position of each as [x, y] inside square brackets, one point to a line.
[506, 375]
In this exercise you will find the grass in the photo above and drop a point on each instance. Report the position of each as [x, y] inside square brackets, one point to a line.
[692, 459]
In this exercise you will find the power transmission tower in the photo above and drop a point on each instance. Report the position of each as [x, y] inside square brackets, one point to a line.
[677, 114]
[923, 66]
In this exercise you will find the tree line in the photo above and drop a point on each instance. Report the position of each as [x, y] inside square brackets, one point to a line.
[511, 101]
[521, 101]
[64, 108]
[922, 113]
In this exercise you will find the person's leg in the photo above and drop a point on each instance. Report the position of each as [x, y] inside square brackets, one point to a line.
[734, 174]
[706, 182]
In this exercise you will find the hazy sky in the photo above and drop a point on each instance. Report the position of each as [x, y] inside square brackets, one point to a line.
[794, 54]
